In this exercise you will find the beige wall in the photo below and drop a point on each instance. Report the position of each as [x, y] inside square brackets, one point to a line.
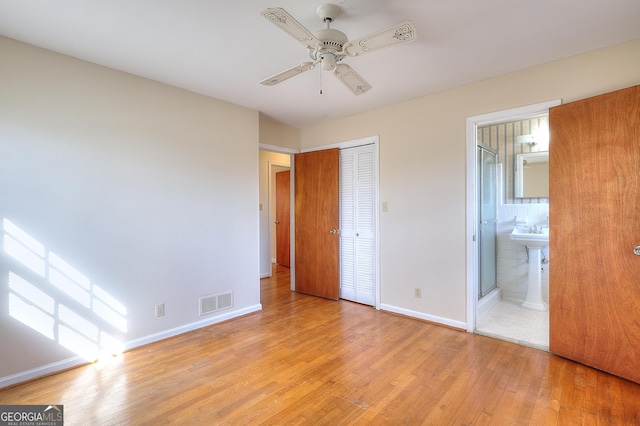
[277, 134]
[423, 168]
[148, 191]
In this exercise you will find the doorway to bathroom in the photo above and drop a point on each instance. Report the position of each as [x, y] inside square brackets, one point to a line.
[497, 271]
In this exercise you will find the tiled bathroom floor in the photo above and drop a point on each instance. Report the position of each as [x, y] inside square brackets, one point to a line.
[508, 321]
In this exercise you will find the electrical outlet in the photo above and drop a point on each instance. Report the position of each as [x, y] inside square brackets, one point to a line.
[417, 292]
[160, 309]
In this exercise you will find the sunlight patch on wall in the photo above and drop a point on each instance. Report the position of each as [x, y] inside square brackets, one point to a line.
[30, 292]
[76, 342]
[67, 285]
[109, 315]
[31, 316]
[58, 301]
[28, 257]
[85, 327]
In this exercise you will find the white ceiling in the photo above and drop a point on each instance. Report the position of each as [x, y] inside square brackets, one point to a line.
[223, 48]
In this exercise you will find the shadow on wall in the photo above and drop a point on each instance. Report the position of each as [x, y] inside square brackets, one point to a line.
[54, 299]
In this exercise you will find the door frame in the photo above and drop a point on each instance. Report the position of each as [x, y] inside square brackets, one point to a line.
[472, 214]
[369, 140]
[291, 152]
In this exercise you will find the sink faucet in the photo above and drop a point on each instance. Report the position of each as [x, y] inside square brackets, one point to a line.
[535, 229]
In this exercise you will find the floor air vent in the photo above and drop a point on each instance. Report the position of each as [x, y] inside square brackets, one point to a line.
[215, 302]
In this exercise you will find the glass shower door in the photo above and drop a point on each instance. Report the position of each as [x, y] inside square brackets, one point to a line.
[487, 216]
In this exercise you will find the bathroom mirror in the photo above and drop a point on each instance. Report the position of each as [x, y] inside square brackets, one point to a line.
[531, 177]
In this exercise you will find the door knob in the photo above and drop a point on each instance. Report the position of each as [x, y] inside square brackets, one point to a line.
[277, 222]
[333, 231]
[637, 250]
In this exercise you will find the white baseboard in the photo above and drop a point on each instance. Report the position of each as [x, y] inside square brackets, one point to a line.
[485, 304]
[45, 370]
[189, 327]
[431, 318]
[76, 361]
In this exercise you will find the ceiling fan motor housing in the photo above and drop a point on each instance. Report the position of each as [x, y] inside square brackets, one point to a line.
[332, 42]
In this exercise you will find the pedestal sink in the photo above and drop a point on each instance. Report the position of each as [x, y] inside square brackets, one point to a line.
[534, 242]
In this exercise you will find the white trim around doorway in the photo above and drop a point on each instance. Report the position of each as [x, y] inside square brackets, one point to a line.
[471, 245]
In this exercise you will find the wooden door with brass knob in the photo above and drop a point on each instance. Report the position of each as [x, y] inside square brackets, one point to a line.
[317, 219]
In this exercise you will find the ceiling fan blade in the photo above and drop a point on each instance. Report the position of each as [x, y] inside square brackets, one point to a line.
[401, 33]
[291, 72]
[351, 79]
[281, 18]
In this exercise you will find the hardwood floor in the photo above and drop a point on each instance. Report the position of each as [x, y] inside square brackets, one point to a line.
[306, 360]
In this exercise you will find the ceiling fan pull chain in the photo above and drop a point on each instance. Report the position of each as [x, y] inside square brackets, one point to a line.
[321, 80]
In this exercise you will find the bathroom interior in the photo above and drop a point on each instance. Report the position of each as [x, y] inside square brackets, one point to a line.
[513, 216]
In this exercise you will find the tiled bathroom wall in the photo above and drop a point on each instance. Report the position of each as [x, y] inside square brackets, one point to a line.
[512, 266]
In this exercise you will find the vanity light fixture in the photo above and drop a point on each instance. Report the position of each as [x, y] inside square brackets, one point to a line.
[530, 139]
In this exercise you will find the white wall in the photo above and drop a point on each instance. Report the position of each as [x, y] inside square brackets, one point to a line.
[423, 170]
[150, 192]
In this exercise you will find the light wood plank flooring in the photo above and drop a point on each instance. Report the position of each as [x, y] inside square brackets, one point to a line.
[306, 360]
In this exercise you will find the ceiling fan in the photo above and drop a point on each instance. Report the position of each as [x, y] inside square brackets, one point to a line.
[329, 46]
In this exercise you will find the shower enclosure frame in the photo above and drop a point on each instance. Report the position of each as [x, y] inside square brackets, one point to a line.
[487, 214]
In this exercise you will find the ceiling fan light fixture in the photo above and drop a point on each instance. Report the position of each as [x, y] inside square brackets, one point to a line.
[328, 61]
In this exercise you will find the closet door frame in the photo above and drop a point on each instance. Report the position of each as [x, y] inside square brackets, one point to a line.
[369, 140]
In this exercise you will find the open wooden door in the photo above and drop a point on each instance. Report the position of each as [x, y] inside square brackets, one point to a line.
[283, 213]
[594, 212]
[317, 214]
